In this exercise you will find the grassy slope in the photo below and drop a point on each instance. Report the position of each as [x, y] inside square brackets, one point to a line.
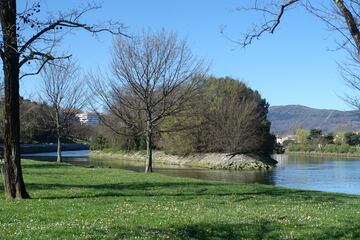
[78, 203]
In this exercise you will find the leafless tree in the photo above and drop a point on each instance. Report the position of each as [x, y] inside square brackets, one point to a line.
[154, 76]
[25, 38]
[341, 17]
[350, 74]
[64, 92]
[1, 88]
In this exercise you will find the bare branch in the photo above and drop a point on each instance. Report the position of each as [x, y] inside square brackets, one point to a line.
[2, 54]
[37, 72]
[154, 76]
[73, 22]
[46, 58]
[34, 56]
[268, 26]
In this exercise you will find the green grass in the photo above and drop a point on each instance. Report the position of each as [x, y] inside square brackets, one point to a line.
[121, 151]
[80, 203]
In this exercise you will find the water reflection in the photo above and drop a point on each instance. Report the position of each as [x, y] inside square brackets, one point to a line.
[79, 158]
[302, 172]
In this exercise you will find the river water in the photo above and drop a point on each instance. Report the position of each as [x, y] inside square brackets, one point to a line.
[301, 172]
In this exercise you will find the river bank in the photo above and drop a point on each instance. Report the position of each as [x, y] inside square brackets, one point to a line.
[71, 202]
[324, 154]
[206, 160]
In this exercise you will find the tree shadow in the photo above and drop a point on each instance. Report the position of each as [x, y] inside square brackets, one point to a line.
[183, 189]
[177, 188]
[261, 229]
[46, 166]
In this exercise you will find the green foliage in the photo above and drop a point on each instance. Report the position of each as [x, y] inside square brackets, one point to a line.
[99, 143]
[302, 135]
[328, 139]
[330, 143]
[309, 148]
[294, 147]
[315, 133]
[343, 148]
[352, 149]
[352, 139]
[330, 148]
[339, 138]
[179, 143]
[226, 117]
[110, 150]
[37, 125]
[315, 137]
[288, 142]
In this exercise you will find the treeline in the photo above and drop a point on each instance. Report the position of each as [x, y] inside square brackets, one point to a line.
[315, 141]
[37, 125]
[224, 116]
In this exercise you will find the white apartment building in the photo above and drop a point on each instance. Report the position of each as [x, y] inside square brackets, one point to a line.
[88, 118]
[281, 140]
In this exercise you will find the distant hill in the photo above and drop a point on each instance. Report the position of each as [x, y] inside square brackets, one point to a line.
[284, 119]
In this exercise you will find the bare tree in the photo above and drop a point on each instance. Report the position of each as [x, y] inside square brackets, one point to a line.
[25, 38]
[341, 17]
[64, 92]
[351, 76]
[154, 76]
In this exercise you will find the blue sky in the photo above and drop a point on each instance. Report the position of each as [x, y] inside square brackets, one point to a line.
[293, 66]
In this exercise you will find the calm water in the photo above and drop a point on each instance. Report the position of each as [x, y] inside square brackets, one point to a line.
[301, 172]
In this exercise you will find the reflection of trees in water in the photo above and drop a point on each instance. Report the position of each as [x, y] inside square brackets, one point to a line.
[282, 159]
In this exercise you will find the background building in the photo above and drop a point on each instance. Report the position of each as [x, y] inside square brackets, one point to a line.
[88, 118]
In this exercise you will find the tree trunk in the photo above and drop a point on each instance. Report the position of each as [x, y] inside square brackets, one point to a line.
[148, 168]
[14, 185]
[351, 24]
[59, 156]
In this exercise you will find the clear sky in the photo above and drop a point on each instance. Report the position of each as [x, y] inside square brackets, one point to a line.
[293, 66]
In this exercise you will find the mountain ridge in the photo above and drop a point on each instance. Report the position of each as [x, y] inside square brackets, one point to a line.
[286, 118]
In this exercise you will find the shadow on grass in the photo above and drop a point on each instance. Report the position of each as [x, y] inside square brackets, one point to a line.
[182, 189]
[201, 231]
[262, 229]
[52, 165]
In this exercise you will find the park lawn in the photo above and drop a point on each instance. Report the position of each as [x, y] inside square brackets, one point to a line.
[71, 202]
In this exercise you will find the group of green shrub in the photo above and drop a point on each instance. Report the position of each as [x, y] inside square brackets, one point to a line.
[37, 125]
[328, 148]
[315, 141]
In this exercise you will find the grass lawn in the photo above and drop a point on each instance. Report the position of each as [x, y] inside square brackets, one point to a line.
[81, 203]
